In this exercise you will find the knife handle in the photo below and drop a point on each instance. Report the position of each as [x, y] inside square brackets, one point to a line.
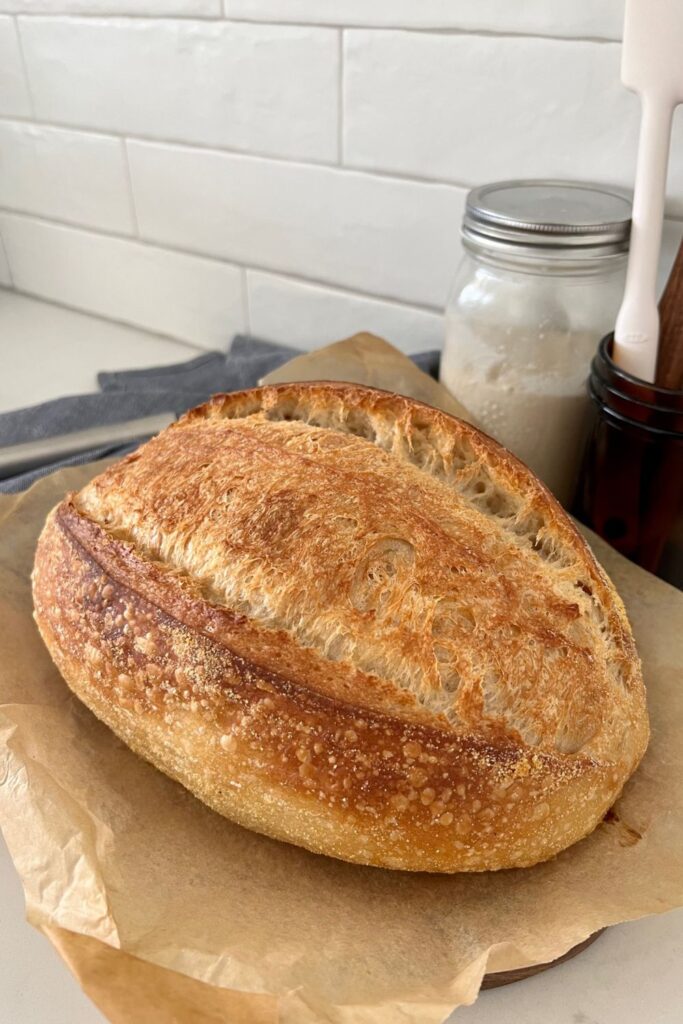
[20, 458]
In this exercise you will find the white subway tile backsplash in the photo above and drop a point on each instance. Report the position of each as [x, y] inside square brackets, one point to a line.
[585, 18]
[387, 237]
[308, 316]
[181, 8]
[186, 297]
[473, 109]
[672, 234]
[14, 96]
[265, 88]
[64, 175]
[503, 91]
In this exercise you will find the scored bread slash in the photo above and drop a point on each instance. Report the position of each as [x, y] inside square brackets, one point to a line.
[352, 622]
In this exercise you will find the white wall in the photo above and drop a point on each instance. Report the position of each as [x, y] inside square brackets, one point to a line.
[296, 168]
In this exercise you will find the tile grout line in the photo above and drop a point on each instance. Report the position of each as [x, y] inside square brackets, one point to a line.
[442, 30]
[287, 275]
[24, 67]
[150, 243]
[245, 154]
[9, 267]
[129, 189]
[372, 173]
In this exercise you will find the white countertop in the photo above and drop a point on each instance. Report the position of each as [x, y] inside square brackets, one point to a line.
[631, 975]
[48, 351]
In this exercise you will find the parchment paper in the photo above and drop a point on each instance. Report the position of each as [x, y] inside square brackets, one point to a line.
[168, 913]
[367, 359]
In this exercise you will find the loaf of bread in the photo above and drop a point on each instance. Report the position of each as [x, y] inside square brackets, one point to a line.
[351, 622]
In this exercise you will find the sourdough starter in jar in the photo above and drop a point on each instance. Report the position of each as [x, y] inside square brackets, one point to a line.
[539, 284]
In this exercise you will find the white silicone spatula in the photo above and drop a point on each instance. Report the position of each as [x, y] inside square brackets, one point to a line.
[652, 66]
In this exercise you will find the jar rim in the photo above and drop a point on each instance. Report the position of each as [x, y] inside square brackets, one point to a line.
[549, 218]
[645, 407]
[632, 382]
[484, 245]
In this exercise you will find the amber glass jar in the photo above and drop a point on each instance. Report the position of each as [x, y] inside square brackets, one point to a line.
[631, 485]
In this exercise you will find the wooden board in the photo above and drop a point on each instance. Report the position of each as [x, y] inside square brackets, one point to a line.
[499, 978]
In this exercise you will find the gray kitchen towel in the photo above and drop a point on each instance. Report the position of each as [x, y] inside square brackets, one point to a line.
[132, 394]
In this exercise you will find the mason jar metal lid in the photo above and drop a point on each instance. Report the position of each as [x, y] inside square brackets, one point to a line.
[549, 219]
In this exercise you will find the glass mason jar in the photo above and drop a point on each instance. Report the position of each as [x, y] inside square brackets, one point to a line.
[631, 486]
[539, 283]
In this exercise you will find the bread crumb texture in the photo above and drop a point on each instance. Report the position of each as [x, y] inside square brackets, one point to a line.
[352, 622]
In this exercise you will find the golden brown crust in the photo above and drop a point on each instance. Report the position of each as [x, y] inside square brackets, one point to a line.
[350, 622]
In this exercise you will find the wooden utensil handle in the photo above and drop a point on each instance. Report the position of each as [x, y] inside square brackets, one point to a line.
[670, 358]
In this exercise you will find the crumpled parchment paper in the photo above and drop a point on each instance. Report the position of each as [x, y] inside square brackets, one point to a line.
[168, 913]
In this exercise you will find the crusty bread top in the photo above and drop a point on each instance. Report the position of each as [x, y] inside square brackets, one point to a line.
[383, 552]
